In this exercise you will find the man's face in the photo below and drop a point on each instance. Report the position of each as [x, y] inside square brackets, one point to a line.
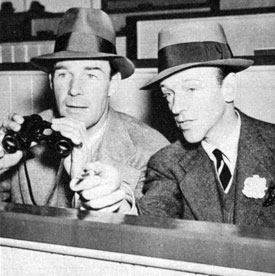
[81, 89]
[196, 100]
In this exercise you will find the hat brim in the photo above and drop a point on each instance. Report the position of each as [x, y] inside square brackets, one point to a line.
[235, 65]
[119, 63]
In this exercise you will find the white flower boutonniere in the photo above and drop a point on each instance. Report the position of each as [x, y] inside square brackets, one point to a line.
[255, 187]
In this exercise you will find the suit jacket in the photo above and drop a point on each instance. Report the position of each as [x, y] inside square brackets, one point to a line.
[127, 144]
[182, 182]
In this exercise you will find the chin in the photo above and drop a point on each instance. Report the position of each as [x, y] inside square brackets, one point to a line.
[192, 138]
[78, 117]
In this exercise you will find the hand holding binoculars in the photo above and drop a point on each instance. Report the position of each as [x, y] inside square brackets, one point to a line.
[35, 129]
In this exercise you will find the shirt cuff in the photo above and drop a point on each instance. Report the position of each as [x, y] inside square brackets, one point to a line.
[129, 206]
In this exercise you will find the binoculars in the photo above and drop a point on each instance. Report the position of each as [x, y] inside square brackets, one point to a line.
[35, 129]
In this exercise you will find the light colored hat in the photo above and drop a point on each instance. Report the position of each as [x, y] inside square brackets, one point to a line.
[194, 44]
[85, 33]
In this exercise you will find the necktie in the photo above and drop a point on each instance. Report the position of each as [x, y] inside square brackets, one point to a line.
[222, 169]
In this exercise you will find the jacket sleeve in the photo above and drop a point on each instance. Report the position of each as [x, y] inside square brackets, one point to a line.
[162, 197]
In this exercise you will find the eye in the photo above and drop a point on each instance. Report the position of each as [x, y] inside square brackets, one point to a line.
[191, 89]
[91, 76]
[60, 74]
[164, 94]
[167, 94]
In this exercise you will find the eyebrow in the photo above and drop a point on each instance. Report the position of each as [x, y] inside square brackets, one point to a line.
[184, 81]
[57, 67]
[85, 68]
[191, 80]
[88, 68]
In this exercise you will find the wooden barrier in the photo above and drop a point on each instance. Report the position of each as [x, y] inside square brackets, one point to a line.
[52, 241]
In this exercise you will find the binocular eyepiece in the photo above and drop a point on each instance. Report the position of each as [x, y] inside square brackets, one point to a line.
[35, 129]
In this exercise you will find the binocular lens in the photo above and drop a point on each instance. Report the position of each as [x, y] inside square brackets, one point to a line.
[63, 147]
[10, 144]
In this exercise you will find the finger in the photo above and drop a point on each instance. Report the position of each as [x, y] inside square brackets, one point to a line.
[98, 191]
[69, 123]
[109, 209]
[12, 160]
[72, 129]
[16, 117]
[73, 136]
[108, 173]
[97, 167]
[106, 201]
[79, 184]
[13, 122]
[11, 126]
[2, 133]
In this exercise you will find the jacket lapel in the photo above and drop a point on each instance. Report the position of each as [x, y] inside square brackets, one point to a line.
[252, 160]
[199, 185]
[116, 143]
[117, 148]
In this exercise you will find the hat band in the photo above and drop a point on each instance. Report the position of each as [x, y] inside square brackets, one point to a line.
[193, 52]
[83, 42]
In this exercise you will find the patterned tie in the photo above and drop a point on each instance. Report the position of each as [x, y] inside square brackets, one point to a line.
[224, 172]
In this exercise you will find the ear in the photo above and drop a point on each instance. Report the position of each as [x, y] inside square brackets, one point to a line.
[229, 87]
[51, 81]
[114, 84]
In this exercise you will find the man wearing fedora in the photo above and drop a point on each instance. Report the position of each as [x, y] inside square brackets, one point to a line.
[223, 170]
[109, 159]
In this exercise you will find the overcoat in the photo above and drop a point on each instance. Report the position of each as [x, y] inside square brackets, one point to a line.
[126, 144]
[182, 181]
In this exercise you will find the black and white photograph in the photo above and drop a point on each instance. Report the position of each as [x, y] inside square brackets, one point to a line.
[137, 137]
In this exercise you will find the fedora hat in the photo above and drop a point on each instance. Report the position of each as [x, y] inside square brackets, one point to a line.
[194, 44]
[85, 33]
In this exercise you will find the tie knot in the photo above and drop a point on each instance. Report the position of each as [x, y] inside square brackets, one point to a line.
[218, 154]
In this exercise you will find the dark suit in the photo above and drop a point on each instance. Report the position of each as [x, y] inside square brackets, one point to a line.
[182, 182]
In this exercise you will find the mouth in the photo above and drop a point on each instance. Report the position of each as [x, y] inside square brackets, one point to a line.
[186, 124]
[77, 102]
[76, 108]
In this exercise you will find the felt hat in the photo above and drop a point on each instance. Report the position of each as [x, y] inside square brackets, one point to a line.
[193, 44]
[85, 33]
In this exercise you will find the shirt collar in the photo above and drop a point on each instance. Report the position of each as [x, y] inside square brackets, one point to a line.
[229, 147]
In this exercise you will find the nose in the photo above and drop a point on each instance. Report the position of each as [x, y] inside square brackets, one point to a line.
[181, 103]
[75, 87]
